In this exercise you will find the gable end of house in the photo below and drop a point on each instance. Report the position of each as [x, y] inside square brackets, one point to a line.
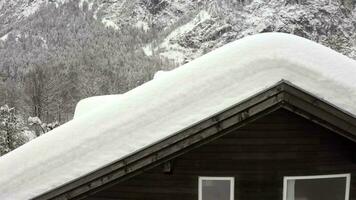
[282, 95]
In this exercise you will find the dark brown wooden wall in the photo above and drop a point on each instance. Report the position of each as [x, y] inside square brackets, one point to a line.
[257, 155]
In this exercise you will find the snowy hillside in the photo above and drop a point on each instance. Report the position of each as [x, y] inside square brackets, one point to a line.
[145, 14]
[15, 11]
[188, 29]
[327, 22]
[185, 30]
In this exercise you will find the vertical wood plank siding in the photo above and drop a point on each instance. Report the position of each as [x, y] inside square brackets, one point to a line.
[257, 155]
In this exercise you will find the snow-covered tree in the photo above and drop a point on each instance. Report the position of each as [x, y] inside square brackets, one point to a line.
[13, 131]
[41, 127]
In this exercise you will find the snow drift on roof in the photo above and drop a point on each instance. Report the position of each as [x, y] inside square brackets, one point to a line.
[90, 104]
[170, 103]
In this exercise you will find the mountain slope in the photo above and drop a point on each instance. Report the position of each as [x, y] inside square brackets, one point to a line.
[12, 12]
[185, 30]
[331, 24]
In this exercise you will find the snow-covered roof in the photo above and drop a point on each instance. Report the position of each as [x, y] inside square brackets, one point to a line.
[90, 104]
[172, 102]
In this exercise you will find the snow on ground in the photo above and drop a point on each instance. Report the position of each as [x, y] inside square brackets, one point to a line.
[109, 23]
[179, 99]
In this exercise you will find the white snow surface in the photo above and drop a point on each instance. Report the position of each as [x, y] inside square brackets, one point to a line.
[159, 74]
[148, 50]
[4, 38]
[90, 104]
[170, 103]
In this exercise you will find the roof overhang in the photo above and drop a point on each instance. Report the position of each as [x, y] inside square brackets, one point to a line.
[282, 95]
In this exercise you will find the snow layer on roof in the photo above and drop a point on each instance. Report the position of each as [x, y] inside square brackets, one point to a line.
[160, 73]
[90, 104]
[172, 102]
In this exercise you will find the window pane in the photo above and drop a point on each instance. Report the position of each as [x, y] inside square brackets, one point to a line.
[317, 189]
[215, 190]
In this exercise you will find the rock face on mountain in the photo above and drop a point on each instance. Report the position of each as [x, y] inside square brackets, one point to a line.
[185, 30]
[192, 28]
[146, 14]
[331, 23]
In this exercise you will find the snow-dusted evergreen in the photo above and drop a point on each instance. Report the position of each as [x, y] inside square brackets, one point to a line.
[13, 130]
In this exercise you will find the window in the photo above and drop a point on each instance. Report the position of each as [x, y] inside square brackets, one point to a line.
[326, 187]
[216, 188]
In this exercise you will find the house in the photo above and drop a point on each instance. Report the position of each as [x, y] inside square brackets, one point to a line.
[270, 116]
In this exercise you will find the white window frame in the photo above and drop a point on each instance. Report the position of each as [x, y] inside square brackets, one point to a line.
[204, 178]
[347, 176]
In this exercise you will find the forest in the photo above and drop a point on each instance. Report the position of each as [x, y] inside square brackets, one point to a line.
[59, 56]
